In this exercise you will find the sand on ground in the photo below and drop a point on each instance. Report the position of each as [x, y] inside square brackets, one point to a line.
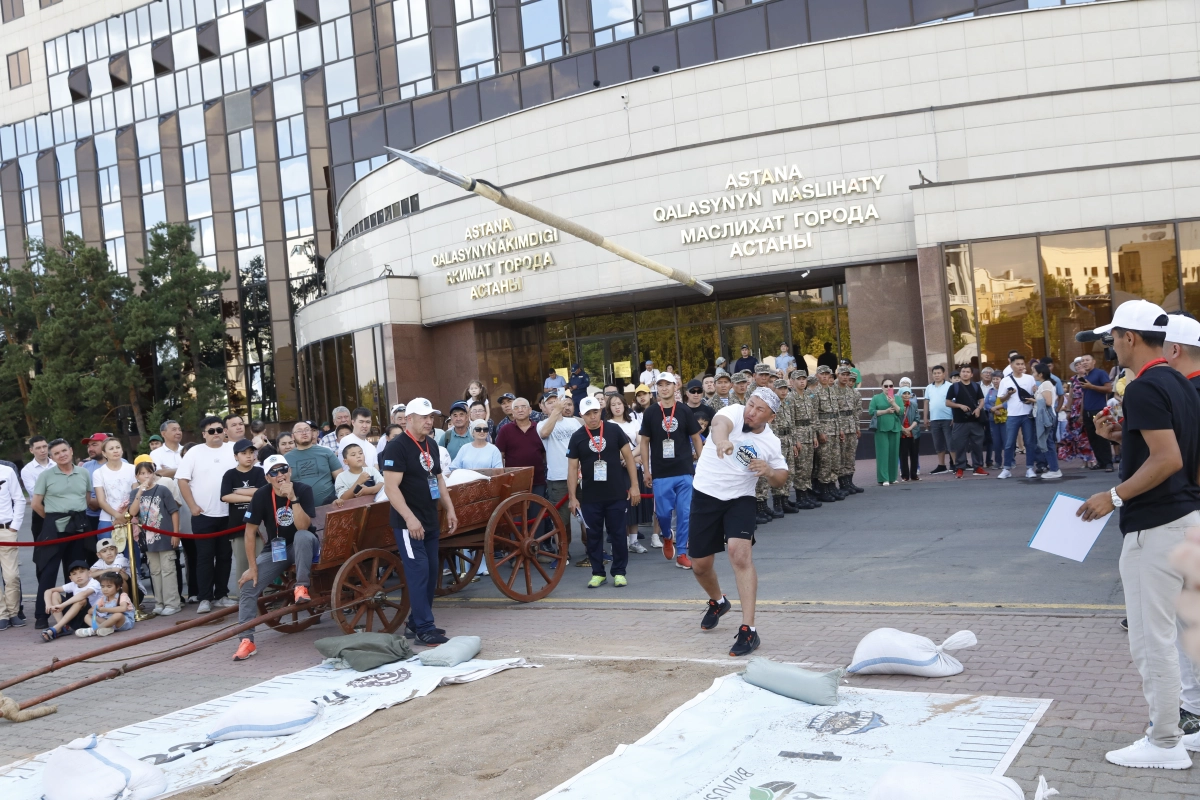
[516, 734]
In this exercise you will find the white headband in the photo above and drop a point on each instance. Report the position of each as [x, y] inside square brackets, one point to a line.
[767, 396]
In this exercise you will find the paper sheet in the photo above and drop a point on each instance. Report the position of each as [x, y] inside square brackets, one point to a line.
[1061, 533]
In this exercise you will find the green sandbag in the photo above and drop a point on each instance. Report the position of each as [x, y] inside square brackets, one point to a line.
[364, 651]
[819, 689]
[453, 652]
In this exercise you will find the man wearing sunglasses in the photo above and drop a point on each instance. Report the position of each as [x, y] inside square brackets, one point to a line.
[285, 509]
[199, 475]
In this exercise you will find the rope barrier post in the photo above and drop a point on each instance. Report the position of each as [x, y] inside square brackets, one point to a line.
[138, 614]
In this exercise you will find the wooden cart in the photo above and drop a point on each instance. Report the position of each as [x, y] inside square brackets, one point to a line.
[359, 578]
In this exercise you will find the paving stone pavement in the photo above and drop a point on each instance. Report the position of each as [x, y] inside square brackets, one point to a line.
[1080, 661]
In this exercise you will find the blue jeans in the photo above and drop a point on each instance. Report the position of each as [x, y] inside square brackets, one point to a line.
[1049, 456]
[1024, 424]
[995, 449]
[421, 570]
[674, 494]
[608, 518]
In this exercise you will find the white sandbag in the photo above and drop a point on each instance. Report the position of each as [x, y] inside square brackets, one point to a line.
[257, 718]
[887, 651]
[92, 769]
[929, 782]
[465, 476]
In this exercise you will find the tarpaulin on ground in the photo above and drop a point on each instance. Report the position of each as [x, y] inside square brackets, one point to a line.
[738, 741]
[179, 743]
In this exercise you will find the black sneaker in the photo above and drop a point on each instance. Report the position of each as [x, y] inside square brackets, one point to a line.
[410, 631]
[1125, 624]
[939, 469]
[747, 642]
[431, 639]
[1189, 723]
[714, 612]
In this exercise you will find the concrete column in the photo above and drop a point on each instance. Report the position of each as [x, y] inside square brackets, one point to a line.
[934, 309]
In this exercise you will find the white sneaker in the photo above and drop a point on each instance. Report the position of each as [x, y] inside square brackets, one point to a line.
[655, 540]
[1004, 473]
[158, 609]
[638, 547]
[204, 607]
[168, 611]
[1144, 754]
[226, 602]
[1055, 473]
[1191, 742]
[1031, 473]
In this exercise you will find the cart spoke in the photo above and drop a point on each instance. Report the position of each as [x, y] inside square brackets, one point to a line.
[518, 529]
[538, 519]
[388, 571]
[549, 535]
[362, 579]
[513, 575]
[362, 608]
[508, 557]
[501, 540]
[529, 576]
[545, 575]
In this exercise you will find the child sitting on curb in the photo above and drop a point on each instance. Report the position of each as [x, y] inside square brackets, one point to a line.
[82, 590]
[113, 610]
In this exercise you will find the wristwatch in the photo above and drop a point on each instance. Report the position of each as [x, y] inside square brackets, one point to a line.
[1116, 498]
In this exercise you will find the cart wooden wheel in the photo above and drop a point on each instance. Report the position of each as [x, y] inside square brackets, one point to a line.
[275, 597]
[463, 564]
[515, 547]
[369, 590]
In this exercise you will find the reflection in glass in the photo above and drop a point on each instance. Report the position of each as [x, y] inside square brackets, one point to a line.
[660, 346]
[775, 303]
[699, 346]
[412, 60]
[655, 318]
[293, 174]
[1144, 265]
[698, 312]
[541, 30]
[1008, 303]
[810, 331]
[366, 375]
[560, 329]
[245, 188]
[1075, 276]
[340, 82]
[476, 51]
[607, 323]
[1189, 252]
[612, 20]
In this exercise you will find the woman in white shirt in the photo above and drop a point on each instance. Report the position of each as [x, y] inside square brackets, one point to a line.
[619, 414]
[1046, 421]
[479, 454]
[114, 480]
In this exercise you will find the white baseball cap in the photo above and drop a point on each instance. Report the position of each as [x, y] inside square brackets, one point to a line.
[588, 404]
[274, 461]
[419, 406]
[668, 377]
[478, 425]
[397, 407]
[1183, 330]
[1135, 315]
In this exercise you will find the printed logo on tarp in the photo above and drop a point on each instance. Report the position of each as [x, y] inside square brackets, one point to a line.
[846, 723]
[777, 790]
[390, 678]
[745, 453]
[729, 785]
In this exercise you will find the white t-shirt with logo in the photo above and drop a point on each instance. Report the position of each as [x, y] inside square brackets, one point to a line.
[204, 467]
[117, 485]
[1014, 405]
[369, 451]
[729, 478]
[556, 447]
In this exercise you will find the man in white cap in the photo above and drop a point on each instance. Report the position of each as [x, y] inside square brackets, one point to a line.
[669, 441]
[397, 418]
[1159, 499]
[600, 453]
[286, 509]
[741, 449]
[412, 479]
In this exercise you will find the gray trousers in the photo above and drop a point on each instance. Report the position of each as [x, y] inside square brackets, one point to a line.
[966, 436]
[1151, 586]
[300, 553]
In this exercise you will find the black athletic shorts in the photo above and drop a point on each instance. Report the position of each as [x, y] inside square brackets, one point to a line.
[714, 522]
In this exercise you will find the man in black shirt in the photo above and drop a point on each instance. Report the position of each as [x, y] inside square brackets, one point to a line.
[1159, 499]
[669, 441]
[412, 478]
[285, 508]
[746, 362]
[965, 399]
[600, 452]
[237, 487]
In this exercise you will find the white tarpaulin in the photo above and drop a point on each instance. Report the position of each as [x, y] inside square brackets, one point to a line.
[738, 741]
[178, 742]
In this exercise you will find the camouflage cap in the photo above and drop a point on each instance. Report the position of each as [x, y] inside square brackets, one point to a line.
[762, 369]
[781, 383]
[799, 373]
[721, 373]
[740, 377]
[824, 369]
[843, 370]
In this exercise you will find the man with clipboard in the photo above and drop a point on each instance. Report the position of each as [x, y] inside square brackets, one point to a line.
[1159, 499]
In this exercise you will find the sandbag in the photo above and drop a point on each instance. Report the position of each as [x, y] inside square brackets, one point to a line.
[364, 651]
[465, 476]
[887, 651]
[92, 769]
[817, 688]
[929, 782]
[254, 719]
[453, 652]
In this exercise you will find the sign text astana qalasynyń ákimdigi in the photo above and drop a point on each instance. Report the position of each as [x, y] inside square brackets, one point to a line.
[500, 275]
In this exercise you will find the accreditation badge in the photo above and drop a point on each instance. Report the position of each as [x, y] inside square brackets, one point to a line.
[600, 470]
[668, 448]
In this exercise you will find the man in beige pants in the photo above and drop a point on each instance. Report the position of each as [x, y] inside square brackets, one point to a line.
[1159, 499]
[12, 514]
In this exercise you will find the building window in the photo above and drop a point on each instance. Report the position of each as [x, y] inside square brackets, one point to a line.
[361, 168]
[18, 69]
[291, 137]
[31, 199]
[476, 44]
[248, 226]
[297, 216]
[115, 248]
[241, 150]
[613, 20]
[414, 68]
[541, 30]
[682, 11]
[12, 9]
[195, 162]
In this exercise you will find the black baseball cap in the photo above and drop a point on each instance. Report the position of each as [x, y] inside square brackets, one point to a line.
[508, 396]
[242, 445]
[461, 405]
[695, 386]
[76, 565]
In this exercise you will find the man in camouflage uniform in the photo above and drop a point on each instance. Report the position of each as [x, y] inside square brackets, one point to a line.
[849, 407]
[828, 457]
[803, 415]
[782, 427]
[723, 396]
[763, 376]
[741, 386]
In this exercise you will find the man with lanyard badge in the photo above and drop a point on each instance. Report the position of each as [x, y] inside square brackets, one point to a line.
[741, 448]
[597, 449]
[286, 509]
[412, 478]
[668, 437]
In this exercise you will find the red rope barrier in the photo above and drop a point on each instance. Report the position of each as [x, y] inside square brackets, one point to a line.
[226, 532]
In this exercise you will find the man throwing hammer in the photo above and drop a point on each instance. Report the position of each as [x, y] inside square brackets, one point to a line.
[741, 449]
